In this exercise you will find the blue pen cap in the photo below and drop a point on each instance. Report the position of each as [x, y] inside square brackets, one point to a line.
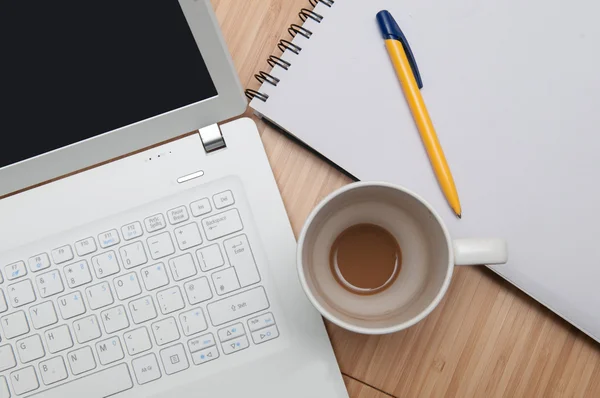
[388, 26]
[390, 30]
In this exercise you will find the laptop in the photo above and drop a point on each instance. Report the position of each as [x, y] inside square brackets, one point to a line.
[167, 272]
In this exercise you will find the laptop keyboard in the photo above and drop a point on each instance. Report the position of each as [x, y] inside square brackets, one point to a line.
[171, 291]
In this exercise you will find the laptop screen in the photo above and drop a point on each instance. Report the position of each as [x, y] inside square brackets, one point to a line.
[71, 70]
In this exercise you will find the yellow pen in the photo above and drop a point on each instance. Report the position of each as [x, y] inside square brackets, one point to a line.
[410, 79]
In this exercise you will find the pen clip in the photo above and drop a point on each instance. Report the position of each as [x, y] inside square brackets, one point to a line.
[391, 30]
[411, 60]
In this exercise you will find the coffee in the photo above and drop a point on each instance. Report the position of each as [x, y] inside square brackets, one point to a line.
[365, 259]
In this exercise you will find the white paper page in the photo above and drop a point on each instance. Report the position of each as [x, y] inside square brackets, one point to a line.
[512, 87]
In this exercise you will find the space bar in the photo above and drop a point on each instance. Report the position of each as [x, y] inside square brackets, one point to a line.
[98, 385]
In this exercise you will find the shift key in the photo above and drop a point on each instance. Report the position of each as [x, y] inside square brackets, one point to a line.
[222, 224]
[238, 306]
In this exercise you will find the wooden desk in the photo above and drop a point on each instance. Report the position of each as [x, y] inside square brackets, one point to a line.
[485, 339]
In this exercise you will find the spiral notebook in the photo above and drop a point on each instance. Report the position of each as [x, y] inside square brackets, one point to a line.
[512, 87]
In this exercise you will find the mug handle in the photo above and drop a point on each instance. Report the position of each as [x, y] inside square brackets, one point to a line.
[480, 251]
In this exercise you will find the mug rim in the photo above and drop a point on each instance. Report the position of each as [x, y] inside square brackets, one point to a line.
[378, 330]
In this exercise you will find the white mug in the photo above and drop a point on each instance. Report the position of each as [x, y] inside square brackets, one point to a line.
[428, 257]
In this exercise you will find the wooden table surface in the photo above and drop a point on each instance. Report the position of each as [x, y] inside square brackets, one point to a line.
[485, 339]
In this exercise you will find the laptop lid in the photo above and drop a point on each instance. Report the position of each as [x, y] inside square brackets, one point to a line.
[85, 82]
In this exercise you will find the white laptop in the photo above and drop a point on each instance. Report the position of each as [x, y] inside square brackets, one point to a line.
[170, 272]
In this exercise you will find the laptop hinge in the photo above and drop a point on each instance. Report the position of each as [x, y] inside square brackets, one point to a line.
[211, 137]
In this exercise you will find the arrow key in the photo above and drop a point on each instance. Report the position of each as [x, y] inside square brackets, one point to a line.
[231, 332]
[206, 355]
[235, 345]
[266, 334]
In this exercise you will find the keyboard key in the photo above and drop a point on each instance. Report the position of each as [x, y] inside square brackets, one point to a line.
[261, 321]
[223, 199]
[170, 300]
[99, 295]
[188, 236]
[7, 358]
[238, 306]
[81, 360]
[109, 238]
[206, 355]
[53, 370]
[235, 345]
[105, 264]
[120, 380]
[241, 258]
[174, 359]
[133, 255]
[202, 342]
[86, 329]
[182, 267]
[142, 309]
[200, 207]
[266, 334]
[178, 215]
[14, 325]
[4, 393]
[85, 246]
[62, 254]
[58, 339]
[127, 286]
[39, 262]
[109, 350]
[155, 276]
[132, 231]
[137, 341]
[198, 290]
[226, 281]
[71, 305]
[114, 319]
[146, 369]
[165, 331]
[43, 314]
[49, 283]
[15, 270]
[155, 223]
[77, 274]
[30, 348]
[193, 321]
[210, 257]
[160, 245]
[21, 293]
[222, 224]
[231, 332]
[3, 303]
[24, 380]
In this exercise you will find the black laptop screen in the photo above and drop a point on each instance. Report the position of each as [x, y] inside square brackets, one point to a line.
[71, 70]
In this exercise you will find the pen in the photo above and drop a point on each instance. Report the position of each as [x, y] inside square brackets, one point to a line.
[410, 79]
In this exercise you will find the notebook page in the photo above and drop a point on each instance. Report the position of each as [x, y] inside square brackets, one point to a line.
[514, 104]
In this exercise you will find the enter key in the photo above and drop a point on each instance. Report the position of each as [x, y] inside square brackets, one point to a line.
[241, 258]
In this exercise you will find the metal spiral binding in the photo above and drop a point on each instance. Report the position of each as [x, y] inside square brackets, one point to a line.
[305, 13]
[288, 45]
[294, 29]
[328, 3]
[273, 60]
[265, 77]
[284, 45]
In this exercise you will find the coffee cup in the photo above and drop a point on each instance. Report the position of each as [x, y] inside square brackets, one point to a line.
[428, 257]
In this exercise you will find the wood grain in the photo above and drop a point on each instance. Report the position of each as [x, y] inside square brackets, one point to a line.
[486, 338]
